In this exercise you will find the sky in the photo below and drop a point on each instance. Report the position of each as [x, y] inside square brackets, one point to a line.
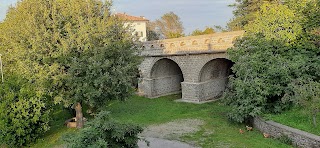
[194, 14]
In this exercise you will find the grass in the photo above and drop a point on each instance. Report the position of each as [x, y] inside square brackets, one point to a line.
[297, 118]
[217, 132]
[57, 129]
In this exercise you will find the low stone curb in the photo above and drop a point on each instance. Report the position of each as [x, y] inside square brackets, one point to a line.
[299, 138]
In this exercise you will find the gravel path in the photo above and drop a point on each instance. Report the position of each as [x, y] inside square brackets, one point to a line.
[163, 143]
[166, 135]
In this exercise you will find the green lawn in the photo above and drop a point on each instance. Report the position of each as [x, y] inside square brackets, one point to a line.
[222, 133]
[145, 112]
[297, 118]
[57, 129]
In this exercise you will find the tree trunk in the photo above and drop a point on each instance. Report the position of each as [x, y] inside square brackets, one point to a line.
[79, 115]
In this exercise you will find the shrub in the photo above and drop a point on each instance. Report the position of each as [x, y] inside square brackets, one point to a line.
[103, 131]
[24, 116]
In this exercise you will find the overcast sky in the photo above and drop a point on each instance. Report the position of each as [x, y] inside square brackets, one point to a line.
[195, 14]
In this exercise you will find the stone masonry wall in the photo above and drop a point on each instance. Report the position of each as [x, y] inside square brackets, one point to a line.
[166, 85]
[299, 138]
[203, 91]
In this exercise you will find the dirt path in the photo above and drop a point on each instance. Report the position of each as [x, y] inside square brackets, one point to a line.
[167, 135]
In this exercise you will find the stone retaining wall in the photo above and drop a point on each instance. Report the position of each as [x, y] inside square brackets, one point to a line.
[298, 137]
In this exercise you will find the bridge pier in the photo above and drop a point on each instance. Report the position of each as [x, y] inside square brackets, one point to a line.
[155, 87]
[203, 91]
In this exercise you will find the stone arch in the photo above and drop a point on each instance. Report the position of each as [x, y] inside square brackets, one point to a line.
[182, 44]
[194, 42]
[221, 40]
[213, 77]
[167, 76]
[215, 68]
[207, 41]
[172, 45]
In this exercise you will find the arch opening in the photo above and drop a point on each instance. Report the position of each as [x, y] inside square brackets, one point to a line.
[214, 77]
[167, 77]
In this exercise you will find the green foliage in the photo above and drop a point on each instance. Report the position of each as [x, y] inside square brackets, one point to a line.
[244, 12]
[105, 132]
[276, 54]
[24, 115]
[262, 73]
[67, 50]
[276, 21]
[72, 54]
[208, 30]
[307, 94]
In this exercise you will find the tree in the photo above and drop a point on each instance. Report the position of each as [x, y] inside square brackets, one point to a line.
[244, 12]
[152, 33]
[207, 30]
[276, 21]
[72, 51]
[169, 26]
[275, 53]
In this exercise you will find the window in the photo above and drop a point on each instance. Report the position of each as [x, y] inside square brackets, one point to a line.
[139, 33]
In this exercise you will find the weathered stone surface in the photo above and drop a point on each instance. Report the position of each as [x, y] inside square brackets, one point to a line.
[197, 65]
[299, 138]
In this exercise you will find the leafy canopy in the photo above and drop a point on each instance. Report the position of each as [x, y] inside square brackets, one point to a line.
[277, 55]
[63, 51]
[168, 26]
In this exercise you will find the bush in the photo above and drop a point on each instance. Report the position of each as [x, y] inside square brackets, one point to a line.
[23, 114]
[265, 71]
[103, 132]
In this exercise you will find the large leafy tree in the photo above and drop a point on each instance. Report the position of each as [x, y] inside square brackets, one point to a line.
[276, 21]
[277, 55]
[69, 51]
[244, 12]
[169, 26]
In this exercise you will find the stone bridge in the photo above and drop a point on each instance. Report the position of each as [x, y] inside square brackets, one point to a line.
[197, 66]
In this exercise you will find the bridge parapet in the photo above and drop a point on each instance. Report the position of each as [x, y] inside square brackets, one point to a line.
[218, 42]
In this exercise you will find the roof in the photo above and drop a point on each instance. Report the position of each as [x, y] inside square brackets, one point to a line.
[127, 17]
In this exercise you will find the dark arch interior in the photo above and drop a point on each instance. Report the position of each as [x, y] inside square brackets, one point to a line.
[217, 68]
[167, 77]
[214, 77]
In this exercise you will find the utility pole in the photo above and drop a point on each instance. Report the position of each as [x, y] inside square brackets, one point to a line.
[1, 68]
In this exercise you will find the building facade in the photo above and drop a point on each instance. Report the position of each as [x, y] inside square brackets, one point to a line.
[138, 24]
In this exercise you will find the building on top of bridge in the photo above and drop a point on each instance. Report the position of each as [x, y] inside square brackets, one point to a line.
[196, 66]
[138, 24]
